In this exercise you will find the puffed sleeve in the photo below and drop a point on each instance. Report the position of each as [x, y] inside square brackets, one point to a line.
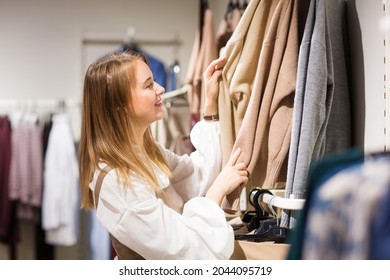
[193, 174]
[142, 222]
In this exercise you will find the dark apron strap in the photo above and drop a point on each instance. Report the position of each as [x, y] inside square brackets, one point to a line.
[99, 182]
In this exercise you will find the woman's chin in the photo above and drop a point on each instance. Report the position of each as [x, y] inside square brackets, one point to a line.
[160, 116]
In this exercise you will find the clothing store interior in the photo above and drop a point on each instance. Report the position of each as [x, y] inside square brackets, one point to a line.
[304, 94]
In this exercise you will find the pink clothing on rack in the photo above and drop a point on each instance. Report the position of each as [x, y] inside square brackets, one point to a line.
[25, 182]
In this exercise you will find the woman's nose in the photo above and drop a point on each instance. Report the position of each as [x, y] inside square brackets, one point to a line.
[159, 89]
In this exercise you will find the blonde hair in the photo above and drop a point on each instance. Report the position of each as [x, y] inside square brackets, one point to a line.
[107, 129]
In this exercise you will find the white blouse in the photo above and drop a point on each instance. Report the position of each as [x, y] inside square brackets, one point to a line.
[60, 197]
[144, 223]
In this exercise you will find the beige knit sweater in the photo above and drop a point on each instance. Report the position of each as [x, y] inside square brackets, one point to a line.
[242, 53]
[266, 112]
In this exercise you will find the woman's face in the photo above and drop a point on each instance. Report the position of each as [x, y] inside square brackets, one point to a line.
[146, 97]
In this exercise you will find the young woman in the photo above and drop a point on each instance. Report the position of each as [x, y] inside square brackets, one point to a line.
[154, 203]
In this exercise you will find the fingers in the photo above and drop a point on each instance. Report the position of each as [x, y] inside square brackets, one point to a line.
[217, 74]
[240, 166]
[218, 63]
[243, 180]
[243, 173]
[215, 65]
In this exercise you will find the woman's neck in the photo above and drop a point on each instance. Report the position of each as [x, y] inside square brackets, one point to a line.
[139, 136]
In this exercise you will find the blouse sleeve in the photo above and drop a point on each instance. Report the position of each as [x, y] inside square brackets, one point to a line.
[193, 174]
[142, 222]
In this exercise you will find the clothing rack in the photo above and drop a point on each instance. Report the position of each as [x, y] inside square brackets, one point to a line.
[183, 90]
[275, 198]
[131, 37]
[30, 105]
[281, 202]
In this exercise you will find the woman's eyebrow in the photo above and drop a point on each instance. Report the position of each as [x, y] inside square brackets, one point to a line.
[147, 81]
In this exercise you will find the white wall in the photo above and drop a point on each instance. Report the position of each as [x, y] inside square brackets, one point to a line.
[368, 55]
[40, 50]
[40, 40]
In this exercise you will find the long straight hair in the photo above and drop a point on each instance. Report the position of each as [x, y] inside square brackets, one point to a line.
[107, 129]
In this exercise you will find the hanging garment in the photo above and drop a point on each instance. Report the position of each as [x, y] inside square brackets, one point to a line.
[160, 130]
[26, 167]
[99, 240]
[264, 135]
[193, 91]
[203, 53]
[43, 251]
[223, 35]
[235, 17]
[321, 119]
[158, 69]
[173, 130]
[242, 53]
[227, 26]
[5, 159]
[178, 117]
[60, 205]
[173, 73]
[9, 231]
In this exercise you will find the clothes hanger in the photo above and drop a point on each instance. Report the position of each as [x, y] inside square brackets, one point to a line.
[177, 92]
[253, 218]
[254, 196]
[175, 102]
[268, 228]
[267, 231]
[250, 214]
[275, 231]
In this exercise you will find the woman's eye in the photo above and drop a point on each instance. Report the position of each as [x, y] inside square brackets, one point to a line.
[150, 85]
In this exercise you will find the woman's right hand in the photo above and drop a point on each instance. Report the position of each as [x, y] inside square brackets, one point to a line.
[211, 79]
[233, 175]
